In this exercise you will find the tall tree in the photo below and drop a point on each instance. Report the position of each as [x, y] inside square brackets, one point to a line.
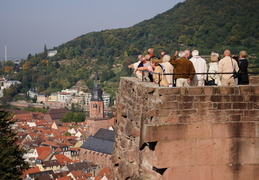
[11, 156]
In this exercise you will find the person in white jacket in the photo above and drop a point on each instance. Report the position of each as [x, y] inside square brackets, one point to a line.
[213, 68]
[169, 69]
[200, 66]
[136, 65]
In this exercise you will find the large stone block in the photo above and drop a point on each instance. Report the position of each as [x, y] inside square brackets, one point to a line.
[195, 90]
[235, 172]
[175, 153]
[189, 173]
[170, 97]
[239, 105]
[163, 132]
[169, 105]
[245, 90]
[226, 90]
[166, 112]
[255, 90]
[173, 119]
[248, 150]
[233, 130]
[198, 130]
[253, 113]
[214, 151]
[185, 105]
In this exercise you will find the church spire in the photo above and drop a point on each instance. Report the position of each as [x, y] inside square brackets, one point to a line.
[96, 101]
[96, 91]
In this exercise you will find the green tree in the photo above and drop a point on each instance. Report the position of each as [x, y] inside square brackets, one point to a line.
[11, 162]
[68, 117]
[45, 52]
[73, 117]
[79, 117]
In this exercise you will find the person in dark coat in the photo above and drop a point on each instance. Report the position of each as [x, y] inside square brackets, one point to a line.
[243, 65]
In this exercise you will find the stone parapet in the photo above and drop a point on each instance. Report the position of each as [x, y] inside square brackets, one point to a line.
[193, 133]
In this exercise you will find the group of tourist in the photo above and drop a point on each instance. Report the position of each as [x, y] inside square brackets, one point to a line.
[187, 68]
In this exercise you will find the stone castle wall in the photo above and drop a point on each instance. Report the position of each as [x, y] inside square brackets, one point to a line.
[198, 133]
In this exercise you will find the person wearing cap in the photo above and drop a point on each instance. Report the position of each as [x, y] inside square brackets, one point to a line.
[200, 66]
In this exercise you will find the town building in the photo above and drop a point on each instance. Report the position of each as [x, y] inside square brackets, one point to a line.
[97, 118]
[52, 53]
[98, 148]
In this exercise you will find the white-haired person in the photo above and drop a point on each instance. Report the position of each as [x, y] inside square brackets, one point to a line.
[183, 69]
[200, 66]
[243, 65]
[187, 54]
[169, 69]
[213, 79]
[136, 65]
[227, 65]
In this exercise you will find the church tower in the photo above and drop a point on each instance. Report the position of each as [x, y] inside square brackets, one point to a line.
[96, 101]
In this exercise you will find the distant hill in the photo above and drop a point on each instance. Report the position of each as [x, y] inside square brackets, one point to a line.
[206, 25]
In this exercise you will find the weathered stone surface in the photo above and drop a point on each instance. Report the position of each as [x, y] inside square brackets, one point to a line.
[188, 133]
[175, 153]
[163, 132]
[198, 130]
[233, 130]
[214, 151]
[189, 173]
[135, 132]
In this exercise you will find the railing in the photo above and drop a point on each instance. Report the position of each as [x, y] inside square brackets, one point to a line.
[159, 74]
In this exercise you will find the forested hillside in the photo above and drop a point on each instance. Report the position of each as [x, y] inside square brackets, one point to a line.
[206, 25]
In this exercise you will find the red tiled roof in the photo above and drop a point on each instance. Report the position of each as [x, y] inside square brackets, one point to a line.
[31, 170]
[105, 172]
[58, 149]
[56, 114]
[62, 159]
[44, 155]
[63, 129]
[65, 93]
[64, 178]
[78, 174]
[40, 150]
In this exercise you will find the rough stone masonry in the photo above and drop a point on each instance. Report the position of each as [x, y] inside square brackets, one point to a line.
[197, 133]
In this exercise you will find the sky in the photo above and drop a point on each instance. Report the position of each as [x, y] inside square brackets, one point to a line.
[28, 25]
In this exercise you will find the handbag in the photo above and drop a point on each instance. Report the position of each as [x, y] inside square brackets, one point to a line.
[210, 82]
[235, 74]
